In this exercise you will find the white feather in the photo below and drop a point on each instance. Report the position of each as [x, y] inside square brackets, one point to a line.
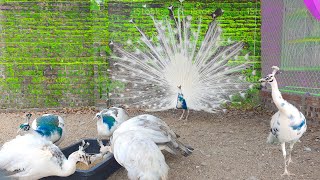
[33, 157]
[288, 124]
[177, 59]
[140, 156]
[137, 144]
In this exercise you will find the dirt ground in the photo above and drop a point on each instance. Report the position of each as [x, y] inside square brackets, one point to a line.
[227, 146]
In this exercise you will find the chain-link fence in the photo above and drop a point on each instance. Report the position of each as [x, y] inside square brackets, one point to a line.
[291, 40]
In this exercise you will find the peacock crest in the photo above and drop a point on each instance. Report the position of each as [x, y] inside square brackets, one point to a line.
[208, 72]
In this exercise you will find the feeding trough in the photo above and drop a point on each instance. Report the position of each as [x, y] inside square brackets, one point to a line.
[100, 171]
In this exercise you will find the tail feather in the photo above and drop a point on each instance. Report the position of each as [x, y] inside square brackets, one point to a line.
[168, 147]
[272, 139]
[176, 148]
[177, 135]
[184, 149]
[202, 68]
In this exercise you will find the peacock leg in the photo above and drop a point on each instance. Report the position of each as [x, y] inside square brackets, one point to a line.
[286, 172]
[187, 114]
[291, 147]
[182, 114]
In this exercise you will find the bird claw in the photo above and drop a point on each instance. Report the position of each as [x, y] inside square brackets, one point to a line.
[100, 143]
[185, 119]
[287, 173]
[104, 149]
[84, 145]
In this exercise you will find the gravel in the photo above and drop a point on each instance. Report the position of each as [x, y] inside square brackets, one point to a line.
[227, 146]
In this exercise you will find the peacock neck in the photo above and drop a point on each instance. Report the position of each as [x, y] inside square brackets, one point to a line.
[35, 132]
[109, 120]
[276, 96]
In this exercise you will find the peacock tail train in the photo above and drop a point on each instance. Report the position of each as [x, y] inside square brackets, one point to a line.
[209, 73]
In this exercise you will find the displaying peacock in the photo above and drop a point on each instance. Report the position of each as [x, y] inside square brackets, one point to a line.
[137, 144]
[209, 69]
[288, 124]
[49, 126]
[32, 156]
[181, 104]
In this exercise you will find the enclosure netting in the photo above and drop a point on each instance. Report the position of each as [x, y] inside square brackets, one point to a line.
[300, 49]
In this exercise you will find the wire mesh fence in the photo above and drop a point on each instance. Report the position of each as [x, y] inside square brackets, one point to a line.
[291, 40]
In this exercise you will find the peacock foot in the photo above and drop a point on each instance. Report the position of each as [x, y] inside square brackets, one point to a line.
[286, 172]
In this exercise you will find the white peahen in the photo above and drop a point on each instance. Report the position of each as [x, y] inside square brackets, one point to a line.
[32, 156]
[109, 119]
[137, 144]
[49, 126]
[209, 69]
[288, 124]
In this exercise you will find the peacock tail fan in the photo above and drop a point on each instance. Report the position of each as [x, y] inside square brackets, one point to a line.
[208, 71]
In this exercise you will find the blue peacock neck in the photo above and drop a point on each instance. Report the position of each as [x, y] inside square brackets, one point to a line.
[108, 120]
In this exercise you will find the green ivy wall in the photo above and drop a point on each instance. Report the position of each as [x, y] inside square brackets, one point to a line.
[241, 20]
[54, 53]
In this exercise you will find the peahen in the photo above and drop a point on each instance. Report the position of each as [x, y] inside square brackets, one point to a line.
[209, 69]
[137, 144]
[109, 119]
[49, 126]
[288, 124]
[32, 156]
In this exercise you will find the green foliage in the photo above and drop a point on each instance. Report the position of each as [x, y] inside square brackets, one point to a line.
[241, 20]
[94, 6]
[55, 52]
[248, 102]
[51, 55]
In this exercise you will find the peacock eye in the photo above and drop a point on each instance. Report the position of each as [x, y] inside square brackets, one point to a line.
[26, 128]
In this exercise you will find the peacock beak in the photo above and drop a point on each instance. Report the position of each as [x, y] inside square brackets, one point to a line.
[86, 162]
[98, 116]
[19, 130]
[262, 80]
[262, 83]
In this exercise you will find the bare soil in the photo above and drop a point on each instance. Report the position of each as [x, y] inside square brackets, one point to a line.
[227, 146]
